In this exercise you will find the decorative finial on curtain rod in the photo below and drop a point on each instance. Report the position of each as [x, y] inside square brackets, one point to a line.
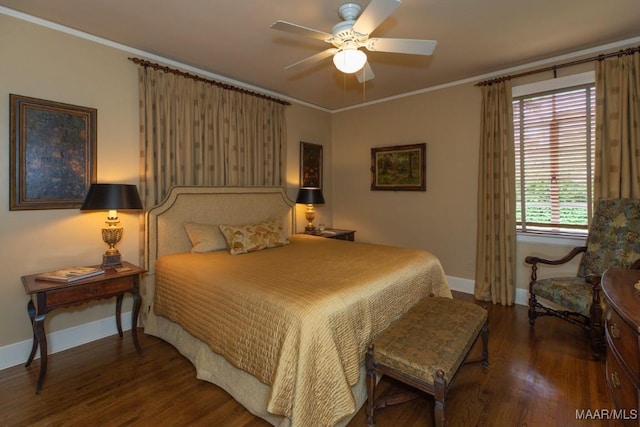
[493, 81]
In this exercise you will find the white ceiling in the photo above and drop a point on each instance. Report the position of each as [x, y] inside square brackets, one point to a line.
[232, 39]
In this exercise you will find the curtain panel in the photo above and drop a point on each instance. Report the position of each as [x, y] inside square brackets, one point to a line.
[196, 133]
[617, 168]
[496, 238]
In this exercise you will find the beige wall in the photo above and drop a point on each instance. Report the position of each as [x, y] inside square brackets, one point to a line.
[442, 219]
[48, 64]
[313, 126]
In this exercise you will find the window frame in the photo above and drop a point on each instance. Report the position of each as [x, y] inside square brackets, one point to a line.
[556, 84]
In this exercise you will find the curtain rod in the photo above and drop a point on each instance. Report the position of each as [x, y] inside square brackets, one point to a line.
[145, 63]
[554, 68]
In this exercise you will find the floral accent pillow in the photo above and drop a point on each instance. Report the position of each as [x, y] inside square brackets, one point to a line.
[205, 237]
[242, 239]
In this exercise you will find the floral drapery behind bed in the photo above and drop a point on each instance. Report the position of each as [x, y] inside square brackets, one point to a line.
[193, 132]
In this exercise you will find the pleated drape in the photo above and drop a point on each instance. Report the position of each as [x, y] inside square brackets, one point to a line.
[617, 168]
[195, 133]
[496, 238]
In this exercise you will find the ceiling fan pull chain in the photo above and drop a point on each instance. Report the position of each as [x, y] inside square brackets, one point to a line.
[364, 87]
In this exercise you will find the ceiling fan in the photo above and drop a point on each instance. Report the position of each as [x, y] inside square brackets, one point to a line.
[352, 33]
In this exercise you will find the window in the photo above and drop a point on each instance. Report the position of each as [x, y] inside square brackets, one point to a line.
[554, 135]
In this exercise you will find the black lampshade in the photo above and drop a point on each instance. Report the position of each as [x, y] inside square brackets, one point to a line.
[310, 196]
[111, 197]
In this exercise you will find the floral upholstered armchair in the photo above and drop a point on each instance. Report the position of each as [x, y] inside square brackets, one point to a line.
[613, 241]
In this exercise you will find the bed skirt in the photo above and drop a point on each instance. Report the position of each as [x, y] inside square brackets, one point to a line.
[242, 386]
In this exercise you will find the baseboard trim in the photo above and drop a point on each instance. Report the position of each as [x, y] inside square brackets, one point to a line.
[17, 353]
[467, 286]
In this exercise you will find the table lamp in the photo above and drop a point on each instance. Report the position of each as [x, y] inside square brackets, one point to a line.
[112, 197]
[310, 196]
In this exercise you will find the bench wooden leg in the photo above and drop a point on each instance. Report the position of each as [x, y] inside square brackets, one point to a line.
[371, 386]
[484, 358]
[485, 345]
[439, 392]
[438, 389]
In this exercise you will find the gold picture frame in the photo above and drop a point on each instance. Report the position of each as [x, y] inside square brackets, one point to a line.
[53, 153]
[399, 168]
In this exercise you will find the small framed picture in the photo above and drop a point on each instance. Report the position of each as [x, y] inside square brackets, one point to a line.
[399, 168]
[310, 165]
[52, 152]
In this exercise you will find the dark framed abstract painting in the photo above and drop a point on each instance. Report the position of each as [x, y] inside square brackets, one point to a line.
[52, 152]
[310, 165]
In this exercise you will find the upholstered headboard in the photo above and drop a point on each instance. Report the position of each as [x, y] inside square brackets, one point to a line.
[164, 230]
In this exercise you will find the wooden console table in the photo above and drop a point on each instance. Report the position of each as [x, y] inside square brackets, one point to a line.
[51, 295]
[622, 320]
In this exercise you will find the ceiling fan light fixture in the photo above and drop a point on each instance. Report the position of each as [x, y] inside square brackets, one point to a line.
[349, 59]
[351, 37]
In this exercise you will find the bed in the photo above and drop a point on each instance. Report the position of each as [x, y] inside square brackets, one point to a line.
[282, 328]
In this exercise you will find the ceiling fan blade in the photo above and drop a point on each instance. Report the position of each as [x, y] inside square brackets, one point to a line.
[376, 12]
[365, 74]
[300, 30]
[411, 46]
[315, 58]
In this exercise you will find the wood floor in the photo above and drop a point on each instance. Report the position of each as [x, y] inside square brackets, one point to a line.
[537, 377]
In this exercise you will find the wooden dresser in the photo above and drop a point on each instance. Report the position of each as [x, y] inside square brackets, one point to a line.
[623, 339]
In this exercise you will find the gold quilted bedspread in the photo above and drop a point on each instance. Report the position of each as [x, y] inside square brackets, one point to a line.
[297, 317]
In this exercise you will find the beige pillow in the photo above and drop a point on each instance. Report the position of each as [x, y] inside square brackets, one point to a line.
[242, 239]
[205, 237]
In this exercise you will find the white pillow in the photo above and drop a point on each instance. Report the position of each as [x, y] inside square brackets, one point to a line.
[205, 237]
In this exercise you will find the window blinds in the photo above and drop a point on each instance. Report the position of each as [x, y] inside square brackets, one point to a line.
[554, 144]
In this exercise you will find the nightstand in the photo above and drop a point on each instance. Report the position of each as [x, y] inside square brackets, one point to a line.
[46, 296]
[335, 233]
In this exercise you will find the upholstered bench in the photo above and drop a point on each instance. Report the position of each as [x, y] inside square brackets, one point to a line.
[424, 349]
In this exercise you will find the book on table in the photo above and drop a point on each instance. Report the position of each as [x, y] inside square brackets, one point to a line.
[70, 274]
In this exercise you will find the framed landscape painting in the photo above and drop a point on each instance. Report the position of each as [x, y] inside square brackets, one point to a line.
[399, 168]
[52, 153]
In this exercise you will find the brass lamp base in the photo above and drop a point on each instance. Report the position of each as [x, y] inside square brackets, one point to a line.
[310, 215]
[111, 236]
[111, 261]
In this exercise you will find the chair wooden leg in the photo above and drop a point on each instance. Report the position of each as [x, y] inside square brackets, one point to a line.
[532, 309]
